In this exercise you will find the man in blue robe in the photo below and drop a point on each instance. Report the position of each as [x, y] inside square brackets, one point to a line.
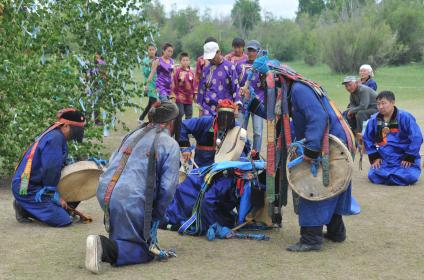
[392, 141]
[135, 191]
[207, 131]
[311, 113]
[228, 186]
[35, 181]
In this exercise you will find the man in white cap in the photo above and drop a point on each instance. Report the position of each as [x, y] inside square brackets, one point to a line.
[362, 103]
[218, 81]
[135, 191]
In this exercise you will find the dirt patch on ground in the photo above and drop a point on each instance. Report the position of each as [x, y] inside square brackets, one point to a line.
[383, 243]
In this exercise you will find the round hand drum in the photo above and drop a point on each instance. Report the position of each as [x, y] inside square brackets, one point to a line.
[79, 181]
[233, 145]
[303, 182]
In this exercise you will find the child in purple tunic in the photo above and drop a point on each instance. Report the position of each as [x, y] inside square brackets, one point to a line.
[163, 67]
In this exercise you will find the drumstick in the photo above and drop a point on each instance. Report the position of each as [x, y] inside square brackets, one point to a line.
[84, 219]
[239, 226]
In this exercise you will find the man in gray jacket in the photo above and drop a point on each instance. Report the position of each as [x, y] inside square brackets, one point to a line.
[362, 103]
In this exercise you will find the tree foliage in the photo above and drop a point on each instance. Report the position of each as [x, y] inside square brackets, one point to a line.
[311, 7]
[246, 14]
[47, 51]
[406, 19]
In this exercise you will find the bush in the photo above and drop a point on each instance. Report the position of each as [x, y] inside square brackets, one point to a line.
[347, 45]
[406, 18]
[281, 37]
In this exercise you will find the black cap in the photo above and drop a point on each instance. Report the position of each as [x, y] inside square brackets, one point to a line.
[163, 112]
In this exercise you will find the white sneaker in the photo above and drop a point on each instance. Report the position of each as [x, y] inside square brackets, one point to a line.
[93, 254]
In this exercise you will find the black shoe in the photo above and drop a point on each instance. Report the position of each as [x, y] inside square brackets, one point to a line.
[20, 214]
[335, 238]
[301, 247]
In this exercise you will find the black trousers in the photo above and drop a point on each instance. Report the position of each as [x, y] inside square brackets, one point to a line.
[184, 109]
[152, 100]
[313, 235]
[110, 250]
[358, 118]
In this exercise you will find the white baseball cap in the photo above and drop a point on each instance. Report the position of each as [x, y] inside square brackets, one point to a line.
[210, 49]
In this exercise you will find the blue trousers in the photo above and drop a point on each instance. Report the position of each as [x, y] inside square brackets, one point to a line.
[258, 124]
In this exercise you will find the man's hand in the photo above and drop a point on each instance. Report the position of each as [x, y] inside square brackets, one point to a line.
[186, 156]
[349, 114]
[405, 164]
[245, 92]
[376, 163]
[306, 158]
[63, 203]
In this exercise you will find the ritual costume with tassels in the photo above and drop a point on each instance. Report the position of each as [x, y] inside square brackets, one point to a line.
[314, 116]
[37, 175]
[208, 131]
[209, 195]
[398, 140]
[134, 192]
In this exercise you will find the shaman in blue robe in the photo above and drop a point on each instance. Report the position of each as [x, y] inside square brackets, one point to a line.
[225, 193]
[401, 143]
[310, 114]
[42, 201]
[203, 131]
[127, 202]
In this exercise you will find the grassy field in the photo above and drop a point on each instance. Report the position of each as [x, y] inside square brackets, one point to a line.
[384, 241]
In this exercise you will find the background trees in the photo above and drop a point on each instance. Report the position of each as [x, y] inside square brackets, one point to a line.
[48, 48]
[339, 33]
[47, 62]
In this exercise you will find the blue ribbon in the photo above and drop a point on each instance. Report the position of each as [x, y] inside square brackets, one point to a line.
[48, 190]
[187, 149]
[100, 162]
[314, 164]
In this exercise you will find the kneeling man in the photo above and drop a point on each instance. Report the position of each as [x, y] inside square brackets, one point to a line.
[37, 175]
[392, 141]
[135, 191]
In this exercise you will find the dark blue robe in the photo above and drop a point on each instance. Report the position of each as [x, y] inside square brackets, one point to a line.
[310, 121]
[220, 199]
[403, 144]
[49, 158]
[202, 130]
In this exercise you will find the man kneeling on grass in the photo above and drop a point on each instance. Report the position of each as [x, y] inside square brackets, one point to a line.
[135, 191]
[392, 141]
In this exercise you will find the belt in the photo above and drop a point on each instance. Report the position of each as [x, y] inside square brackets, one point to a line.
[205, 148]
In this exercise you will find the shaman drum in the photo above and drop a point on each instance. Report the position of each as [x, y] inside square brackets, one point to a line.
[79, 181]
[310, 187]
[232, 146]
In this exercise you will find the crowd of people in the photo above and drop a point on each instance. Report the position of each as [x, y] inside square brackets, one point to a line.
[141, 178]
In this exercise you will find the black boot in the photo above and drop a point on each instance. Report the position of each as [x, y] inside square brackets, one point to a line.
[310, 240]
[302, 247]
[336, 230]
[21, 215]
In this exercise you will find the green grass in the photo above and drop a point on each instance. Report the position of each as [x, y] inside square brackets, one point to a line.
[404, 81]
